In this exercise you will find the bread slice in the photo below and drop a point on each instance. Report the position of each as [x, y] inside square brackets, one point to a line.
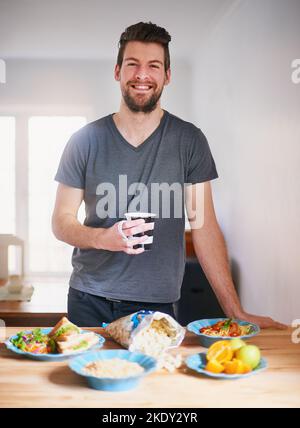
[63, 329]
[77, 343]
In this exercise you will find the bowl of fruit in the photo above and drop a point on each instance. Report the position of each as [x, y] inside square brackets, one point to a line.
[228, 359]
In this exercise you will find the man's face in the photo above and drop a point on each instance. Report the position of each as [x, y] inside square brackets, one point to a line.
[142, 75]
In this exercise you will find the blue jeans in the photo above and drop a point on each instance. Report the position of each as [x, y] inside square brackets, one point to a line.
[87, 310]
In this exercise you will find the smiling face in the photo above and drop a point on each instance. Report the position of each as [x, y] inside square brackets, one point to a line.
[142, 75]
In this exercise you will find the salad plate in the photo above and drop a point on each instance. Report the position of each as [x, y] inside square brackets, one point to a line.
[36, 340]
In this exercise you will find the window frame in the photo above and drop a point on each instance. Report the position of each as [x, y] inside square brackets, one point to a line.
[22, 115]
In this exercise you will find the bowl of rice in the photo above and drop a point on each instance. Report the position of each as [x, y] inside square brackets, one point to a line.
[113, 370]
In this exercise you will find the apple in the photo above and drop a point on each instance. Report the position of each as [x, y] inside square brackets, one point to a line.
[249, 354]
[236, 344]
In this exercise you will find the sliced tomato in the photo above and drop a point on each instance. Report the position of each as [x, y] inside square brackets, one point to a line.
[234, 329]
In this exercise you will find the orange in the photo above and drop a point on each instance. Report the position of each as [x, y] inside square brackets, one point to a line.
[236, 367]
[214, 366]
[220, 351]
[247, 368]
[240, 367]
[231, 367]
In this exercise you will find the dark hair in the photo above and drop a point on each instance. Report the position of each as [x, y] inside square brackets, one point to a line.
[145, 32]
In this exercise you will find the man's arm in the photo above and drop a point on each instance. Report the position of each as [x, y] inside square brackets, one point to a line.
[210, 248]
[67, 228]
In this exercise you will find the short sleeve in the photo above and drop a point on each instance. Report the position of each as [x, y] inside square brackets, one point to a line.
[72, 166]
[201, 165]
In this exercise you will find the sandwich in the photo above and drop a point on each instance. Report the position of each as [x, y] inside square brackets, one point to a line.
[77, 342]
[69, 338]
[63, 329]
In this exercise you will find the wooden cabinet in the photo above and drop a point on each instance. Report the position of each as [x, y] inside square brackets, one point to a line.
[190, 252]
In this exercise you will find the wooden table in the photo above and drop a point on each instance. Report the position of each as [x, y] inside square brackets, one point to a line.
[28, 383]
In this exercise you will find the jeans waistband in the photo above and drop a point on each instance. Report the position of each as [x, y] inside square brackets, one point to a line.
[113, 300]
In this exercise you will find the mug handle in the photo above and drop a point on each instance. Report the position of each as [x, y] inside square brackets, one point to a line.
[120, 230]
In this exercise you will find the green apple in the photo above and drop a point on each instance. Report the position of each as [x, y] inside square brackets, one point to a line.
[236, 344]
[249, 354]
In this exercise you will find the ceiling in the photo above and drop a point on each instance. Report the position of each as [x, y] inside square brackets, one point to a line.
[90, 29]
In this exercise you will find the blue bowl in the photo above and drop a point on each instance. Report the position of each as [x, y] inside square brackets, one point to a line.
[50, 357]
[197, 362]
[113, 384]
[207, 341]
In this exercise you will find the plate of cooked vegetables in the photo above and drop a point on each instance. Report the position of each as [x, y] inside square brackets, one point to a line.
[61, 342]
[214, 329]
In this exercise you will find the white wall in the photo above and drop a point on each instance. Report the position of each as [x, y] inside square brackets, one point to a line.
[234, 83]
[90, 29]
[66, 49]
[249, 109]
[88, 83]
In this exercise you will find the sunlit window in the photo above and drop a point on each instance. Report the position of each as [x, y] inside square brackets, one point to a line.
[47, 139]
[7, 174]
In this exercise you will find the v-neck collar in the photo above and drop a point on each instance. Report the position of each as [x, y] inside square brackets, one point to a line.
[140, 146]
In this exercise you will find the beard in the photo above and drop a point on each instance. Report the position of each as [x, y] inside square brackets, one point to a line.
[144, 107]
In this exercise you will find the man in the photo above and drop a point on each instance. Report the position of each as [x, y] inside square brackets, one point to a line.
[144, 144]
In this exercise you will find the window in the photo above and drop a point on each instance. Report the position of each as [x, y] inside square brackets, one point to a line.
[7, 174]
[48, 136]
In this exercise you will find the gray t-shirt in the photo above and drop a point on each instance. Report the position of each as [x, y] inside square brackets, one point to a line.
[99, 160]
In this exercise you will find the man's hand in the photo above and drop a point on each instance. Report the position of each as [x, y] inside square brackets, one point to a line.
[112, 240]
[67, 228]
[263, 322]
